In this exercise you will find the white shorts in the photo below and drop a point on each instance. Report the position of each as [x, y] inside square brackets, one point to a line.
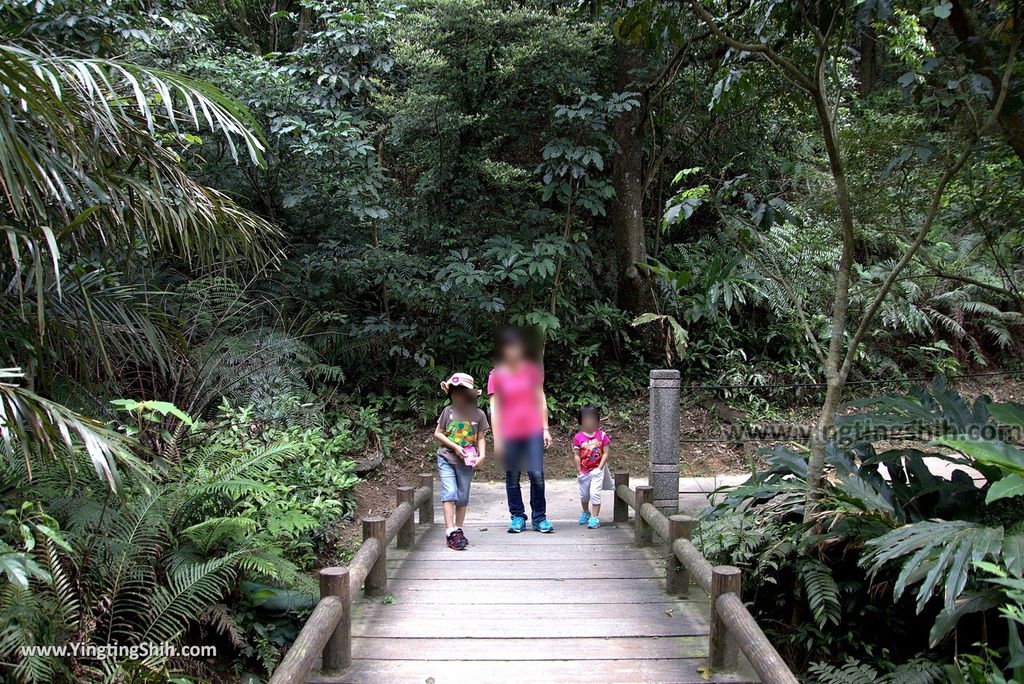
[591, 485]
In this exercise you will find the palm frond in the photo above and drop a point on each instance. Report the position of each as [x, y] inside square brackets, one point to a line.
[938, 555]
[98, 317]
[80, 98]
[29, 423]
[87, 147]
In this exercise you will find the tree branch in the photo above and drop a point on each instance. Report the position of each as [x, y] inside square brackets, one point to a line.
[929, 220]
[798, 76]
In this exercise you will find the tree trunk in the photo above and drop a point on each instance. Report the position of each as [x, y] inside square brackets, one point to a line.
[305, 22]
[866, 65]
[556, 285]
[635, 294]
[835, 374]
[821, 433]
[239, 20]
[972, 47]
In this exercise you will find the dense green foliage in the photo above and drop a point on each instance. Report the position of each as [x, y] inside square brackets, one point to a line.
[203, 546]
[442, 167]
[242, 236]
[896, 557]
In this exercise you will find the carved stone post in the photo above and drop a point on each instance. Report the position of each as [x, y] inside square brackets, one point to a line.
[664, 424]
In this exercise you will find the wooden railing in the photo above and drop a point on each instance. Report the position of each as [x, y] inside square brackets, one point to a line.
[732, 625]
[327, 634]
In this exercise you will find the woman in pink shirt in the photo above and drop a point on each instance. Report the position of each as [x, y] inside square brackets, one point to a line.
[519, 423]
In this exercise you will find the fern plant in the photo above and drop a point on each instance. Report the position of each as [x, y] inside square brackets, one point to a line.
[885, 525]
[821, 591]
[968, 316]
[915, 671]
[144, 566]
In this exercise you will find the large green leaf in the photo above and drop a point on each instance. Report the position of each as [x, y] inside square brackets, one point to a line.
[276, 599]
[1013, 554]
[970, 602]
[937, 554]
[1008, 414]
[1009, 486]
[987, 451]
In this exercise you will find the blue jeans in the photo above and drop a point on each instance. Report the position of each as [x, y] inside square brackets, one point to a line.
[527, 453]
[455, 481]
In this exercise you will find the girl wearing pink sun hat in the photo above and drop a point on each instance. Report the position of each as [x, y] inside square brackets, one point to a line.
[460, 380]
[461, 431]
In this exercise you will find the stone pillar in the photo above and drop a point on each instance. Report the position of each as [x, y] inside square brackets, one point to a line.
[664, 421]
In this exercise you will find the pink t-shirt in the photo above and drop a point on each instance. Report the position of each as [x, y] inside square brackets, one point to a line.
[591, 448]
[520, 411]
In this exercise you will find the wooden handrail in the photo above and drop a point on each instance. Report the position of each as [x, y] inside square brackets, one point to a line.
[397, 520]
[327, 631]
[310, 643]
[731, 622]
[697, 566]
[656, 519]
[623, 491]
[362, 561]
[403, 514]
[763, 657]
[424, 493]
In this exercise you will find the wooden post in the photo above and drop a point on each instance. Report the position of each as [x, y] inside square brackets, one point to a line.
[309, 645]
[427, 507]
[725, 579]
[407, 532]
[642, 530]
[376, 583]
[621, 507]
[337, 655]
[677, 579]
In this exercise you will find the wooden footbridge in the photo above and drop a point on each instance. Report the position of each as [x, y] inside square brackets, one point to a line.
[625, 603]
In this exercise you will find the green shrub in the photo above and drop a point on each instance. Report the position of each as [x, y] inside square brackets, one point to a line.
[211, 545]
[884, 568]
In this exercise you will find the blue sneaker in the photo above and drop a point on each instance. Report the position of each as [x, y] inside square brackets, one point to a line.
[594, 522]
[517, 525]
[543, 526]
[584, 518]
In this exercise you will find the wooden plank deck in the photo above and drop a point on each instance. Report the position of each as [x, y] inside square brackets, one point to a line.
[575, 605]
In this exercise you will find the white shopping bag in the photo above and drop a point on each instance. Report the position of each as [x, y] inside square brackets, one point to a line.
[608, 483]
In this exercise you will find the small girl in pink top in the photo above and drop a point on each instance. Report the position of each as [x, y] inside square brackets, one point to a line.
[590, 449]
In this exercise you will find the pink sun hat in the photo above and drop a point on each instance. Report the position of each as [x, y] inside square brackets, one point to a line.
[460, 380]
